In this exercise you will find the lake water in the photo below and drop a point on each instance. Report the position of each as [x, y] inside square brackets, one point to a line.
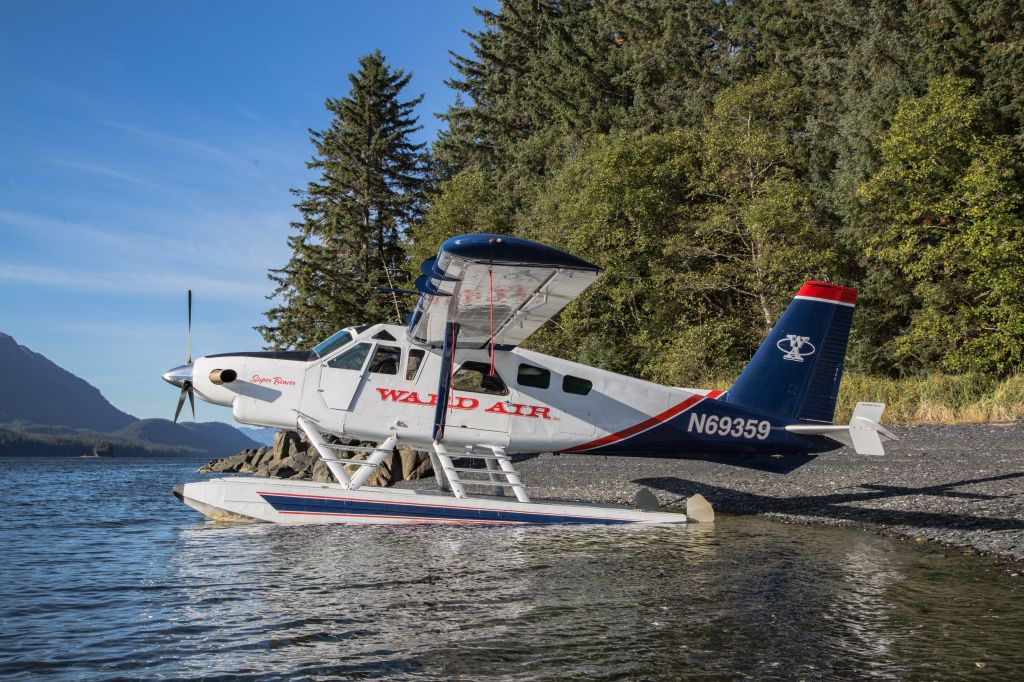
[106, 575]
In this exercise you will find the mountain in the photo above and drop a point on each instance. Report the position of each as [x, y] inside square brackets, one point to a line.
[215, 438]
[40, 392]
[261, 434]
[54, 412]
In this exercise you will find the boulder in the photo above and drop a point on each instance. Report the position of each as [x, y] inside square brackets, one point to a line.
[294, 458]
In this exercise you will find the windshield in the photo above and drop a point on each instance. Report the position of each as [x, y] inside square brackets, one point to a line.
[332, 344]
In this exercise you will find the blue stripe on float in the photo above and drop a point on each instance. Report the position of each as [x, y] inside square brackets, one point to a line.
[300, 504]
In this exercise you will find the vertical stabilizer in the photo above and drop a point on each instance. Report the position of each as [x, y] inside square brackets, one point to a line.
[796, 371]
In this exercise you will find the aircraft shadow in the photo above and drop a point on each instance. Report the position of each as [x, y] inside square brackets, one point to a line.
[777, 464]
[836, 505]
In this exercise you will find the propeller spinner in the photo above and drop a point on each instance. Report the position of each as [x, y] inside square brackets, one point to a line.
[182, 375]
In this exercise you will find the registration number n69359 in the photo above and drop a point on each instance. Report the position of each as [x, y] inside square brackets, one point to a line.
[737, 427]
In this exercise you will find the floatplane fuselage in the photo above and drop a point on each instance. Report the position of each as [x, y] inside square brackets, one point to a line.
[455, 383]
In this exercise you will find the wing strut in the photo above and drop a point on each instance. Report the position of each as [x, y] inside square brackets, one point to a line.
[490, 309]
[444, 379]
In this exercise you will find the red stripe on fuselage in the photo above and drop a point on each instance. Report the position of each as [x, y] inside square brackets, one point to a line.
[646, 424]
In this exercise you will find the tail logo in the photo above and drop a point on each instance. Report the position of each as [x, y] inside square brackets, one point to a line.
[795, 348]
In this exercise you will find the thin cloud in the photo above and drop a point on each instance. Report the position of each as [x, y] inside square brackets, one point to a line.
[130, 283]
[106, 172]
[174, 142]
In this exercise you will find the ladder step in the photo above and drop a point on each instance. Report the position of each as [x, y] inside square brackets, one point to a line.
[350, 448]
[496, 458]
[356, 462]
[503, 484]
[478, 471]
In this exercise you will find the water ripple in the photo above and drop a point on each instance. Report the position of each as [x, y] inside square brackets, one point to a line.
[107, 576]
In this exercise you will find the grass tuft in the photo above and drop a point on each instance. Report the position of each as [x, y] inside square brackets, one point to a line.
[935, 399]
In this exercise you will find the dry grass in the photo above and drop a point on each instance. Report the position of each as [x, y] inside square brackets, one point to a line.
[935, 399]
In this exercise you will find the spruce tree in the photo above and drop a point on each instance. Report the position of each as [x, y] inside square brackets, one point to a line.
[353, 217]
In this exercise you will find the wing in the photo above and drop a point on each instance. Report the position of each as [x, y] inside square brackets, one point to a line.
[488, 282]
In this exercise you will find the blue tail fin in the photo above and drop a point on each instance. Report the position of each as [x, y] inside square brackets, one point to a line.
[796, 371]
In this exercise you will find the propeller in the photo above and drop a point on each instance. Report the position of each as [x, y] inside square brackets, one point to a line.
[186, 384]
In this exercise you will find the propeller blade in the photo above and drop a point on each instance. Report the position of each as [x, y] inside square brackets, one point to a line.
[192, 401]
[181, 400]
[188, 358]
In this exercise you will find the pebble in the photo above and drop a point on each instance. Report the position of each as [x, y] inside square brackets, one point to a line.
[968, 493]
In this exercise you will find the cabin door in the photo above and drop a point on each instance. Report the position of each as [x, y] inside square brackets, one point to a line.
[479, 401]
[378, 399]
[341, 375]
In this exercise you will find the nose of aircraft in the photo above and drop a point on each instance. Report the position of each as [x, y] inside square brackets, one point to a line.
[179, 375]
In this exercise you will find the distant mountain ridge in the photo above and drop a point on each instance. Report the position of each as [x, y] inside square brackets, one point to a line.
[49, 394]
[260, 434]
[208, 436]
[54, 412]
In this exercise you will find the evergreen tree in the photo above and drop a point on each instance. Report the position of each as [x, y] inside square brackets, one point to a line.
[353, 217]
[555, 90]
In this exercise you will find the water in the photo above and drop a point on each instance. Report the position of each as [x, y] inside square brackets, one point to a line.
[106, 575]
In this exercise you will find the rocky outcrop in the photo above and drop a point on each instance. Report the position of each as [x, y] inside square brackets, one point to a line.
[291, 456]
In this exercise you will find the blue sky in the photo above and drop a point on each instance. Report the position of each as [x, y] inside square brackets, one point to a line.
[147, 148]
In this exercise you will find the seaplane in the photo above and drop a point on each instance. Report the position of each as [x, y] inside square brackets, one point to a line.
[456, 382]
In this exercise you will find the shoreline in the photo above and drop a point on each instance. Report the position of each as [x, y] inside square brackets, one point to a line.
[958, 485]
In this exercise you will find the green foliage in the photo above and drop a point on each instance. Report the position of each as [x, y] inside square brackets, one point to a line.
[946, 215]
[711, 156]
[613, 205]
[783, 106]
[751, 237]
[349, 238]
[704, 238]
[468, 202]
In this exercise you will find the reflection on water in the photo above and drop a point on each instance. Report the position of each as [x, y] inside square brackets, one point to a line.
[106, 574]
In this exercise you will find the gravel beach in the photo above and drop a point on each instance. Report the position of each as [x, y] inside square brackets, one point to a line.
[961, 485]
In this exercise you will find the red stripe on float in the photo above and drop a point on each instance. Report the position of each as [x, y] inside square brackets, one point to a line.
[828, 292]
[646, 424]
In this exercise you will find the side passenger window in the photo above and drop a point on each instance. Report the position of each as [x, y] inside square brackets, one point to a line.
[571, 384]
[477, 377]
[537, 377]
[415, 358]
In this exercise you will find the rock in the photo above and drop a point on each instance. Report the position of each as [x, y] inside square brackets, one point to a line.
[303, 461]
[321, 473]
[294, 458]
[412, 463]
[285, 471]
[226, 464]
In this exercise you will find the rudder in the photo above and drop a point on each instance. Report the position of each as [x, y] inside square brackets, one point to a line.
[797, 369]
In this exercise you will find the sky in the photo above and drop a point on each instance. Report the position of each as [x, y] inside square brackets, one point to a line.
[148, 148]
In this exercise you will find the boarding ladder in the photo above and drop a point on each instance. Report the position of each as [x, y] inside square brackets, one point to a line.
[498, 463]
[329, 454]
[499, 470]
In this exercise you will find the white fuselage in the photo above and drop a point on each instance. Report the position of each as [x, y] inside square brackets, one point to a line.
[545, 404]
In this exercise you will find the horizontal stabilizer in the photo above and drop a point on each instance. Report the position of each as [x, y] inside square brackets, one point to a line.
[864, 434]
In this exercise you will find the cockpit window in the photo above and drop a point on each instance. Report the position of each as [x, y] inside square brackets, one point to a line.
[328, 346]
[477, 377]
[352, 358]
[386, 360]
